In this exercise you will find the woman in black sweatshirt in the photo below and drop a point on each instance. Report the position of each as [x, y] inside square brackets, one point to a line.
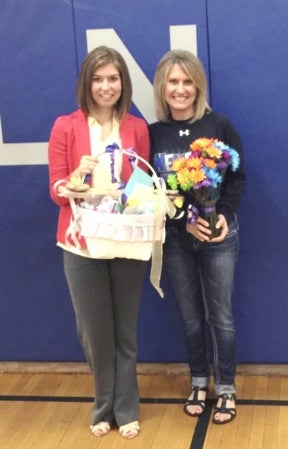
[201, 268]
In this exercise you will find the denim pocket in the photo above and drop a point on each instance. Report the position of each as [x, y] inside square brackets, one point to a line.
[233, 228]
[232, 240]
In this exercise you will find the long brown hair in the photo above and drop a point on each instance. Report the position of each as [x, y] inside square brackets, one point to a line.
[96, 58]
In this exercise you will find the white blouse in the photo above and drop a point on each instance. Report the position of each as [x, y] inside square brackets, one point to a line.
[102, 173]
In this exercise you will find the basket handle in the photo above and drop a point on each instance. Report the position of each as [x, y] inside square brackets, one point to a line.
[157, 181]
[155, 178]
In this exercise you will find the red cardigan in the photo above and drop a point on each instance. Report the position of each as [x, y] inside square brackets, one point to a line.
[70, 140]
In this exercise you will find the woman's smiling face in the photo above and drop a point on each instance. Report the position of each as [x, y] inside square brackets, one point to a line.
[106, 86]
[180, 93]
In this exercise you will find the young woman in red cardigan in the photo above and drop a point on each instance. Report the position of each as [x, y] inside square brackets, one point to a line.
[105, 292]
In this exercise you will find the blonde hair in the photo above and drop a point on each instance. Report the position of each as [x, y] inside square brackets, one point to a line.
[96, 58]
[194, 69]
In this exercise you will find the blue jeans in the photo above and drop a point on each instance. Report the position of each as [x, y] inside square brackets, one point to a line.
[202, 275]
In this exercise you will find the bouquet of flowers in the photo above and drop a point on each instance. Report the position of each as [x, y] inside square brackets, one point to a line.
[200, 173]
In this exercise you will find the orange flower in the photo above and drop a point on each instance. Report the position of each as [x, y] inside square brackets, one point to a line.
[200, 144]
[213, 152]
[178, 164]
[210, 163]
[197, 176]
[194, 162]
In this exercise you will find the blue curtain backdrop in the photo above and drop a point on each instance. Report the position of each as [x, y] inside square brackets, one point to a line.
[243, 47]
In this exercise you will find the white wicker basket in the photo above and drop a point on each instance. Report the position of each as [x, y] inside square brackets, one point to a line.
[132, 236]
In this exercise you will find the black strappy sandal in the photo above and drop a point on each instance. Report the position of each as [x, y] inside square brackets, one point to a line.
[224, 409]
[195, 401]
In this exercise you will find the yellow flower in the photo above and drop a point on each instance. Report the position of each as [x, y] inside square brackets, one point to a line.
[183, 176]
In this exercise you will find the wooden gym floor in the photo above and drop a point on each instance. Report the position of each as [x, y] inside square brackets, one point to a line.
[51, 410]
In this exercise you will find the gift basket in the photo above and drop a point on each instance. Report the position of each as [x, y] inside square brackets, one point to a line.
[127, 221]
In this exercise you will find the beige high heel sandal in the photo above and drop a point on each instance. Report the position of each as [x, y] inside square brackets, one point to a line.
[101, 428]
[130, 430]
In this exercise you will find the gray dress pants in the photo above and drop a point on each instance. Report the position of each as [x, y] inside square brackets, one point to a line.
[106, 297]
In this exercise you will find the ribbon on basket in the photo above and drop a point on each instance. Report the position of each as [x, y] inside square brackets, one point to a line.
[126, 233]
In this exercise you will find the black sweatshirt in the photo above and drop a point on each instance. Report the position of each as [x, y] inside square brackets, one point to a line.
[174, 137]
